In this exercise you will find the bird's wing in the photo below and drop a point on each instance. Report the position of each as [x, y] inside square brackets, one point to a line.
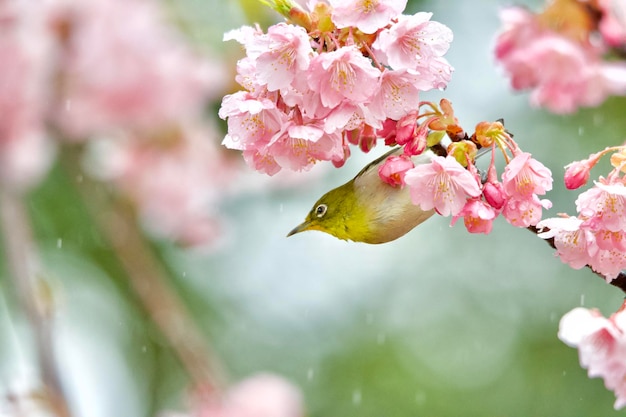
[395, 151]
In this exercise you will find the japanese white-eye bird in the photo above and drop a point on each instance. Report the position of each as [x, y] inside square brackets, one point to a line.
[366, 209]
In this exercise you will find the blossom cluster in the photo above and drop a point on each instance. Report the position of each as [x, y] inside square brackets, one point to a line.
[596, 237]
[330, 77]
[566, 54]
[72, 75]
[601, 344]
[453, 189]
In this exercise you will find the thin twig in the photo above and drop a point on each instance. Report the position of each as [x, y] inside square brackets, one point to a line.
[20, 257]
[619, 281]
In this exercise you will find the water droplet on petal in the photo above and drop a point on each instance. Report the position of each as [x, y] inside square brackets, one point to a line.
[356, 397]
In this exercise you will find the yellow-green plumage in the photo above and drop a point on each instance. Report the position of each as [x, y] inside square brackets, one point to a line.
[365, 209]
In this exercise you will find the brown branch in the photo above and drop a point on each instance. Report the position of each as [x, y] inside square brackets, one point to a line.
[619, 281]
[117, 221]
[158, 298]
[20, 257]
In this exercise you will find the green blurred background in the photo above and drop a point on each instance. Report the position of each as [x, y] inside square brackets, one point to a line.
[438, 323]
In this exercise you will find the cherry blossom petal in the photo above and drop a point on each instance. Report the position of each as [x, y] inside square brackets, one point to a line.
[442, 184]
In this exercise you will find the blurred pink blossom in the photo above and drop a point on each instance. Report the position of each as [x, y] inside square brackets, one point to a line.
[175, 177]
[131, 75]
[613, 22]
[261, 395]
[601, 344]
[563, 74]
[25, 92]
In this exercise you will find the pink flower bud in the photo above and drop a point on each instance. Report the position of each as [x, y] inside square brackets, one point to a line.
[494, 194]
[405, 128]
[388, 132]
[577, 174]
[393, 169]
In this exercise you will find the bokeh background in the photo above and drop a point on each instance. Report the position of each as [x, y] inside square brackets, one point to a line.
[438, 323]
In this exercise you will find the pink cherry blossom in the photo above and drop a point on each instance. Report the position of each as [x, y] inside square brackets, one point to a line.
[525, 175]
[477, 216]
[442, 184]
[261, 160]
[298, 146]
[575, 246]
[251, 122]
[413, 43]
[280, 55]
[133, 75]
[579, 245]
[245, 35]
[366, 15]
[601, 346]
[608, 240]
[397, 95]
[344, 74]
[604, 206]
[393, 169]
[609, 262]
[524, 211]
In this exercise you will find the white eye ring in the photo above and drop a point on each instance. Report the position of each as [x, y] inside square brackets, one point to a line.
[320, 210]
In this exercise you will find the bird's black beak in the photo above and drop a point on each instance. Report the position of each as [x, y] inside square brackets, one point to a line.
[299, 228]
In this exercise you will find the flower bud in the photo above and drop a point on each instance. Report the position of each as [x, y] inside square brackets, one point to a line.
[393, 169]
[462, 151]
[577, 174]
[494, 194]
[405, 128]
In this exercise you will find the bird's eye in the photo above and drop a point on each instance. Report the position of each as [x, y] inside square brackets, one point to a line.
[321, 210]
